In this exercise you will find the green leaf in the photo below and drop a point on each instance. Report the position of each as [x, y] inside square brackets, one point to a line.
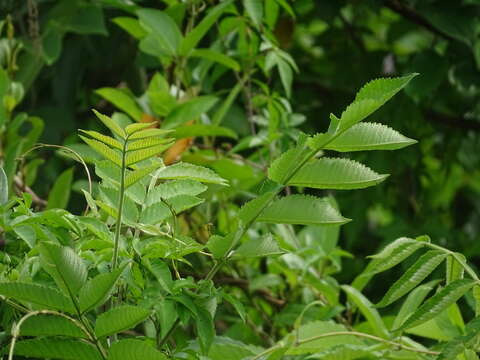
[161, 272]
[216, 56]
[371, 97]
[316, 328]
[369, 136]
[415, 274]
[193, 37]
[60, 192]
[250, 210]
[368, 311]
[205, 329]
[283, 166]
[254, 10]
[383, 89]
[130, 25]
[121, 100]
[52, 348]
[203, 130]
[3, 187]
[50, 325]
[111, 124]
[437, 303]
[147, 133]
[286, 75]
[458, 345]
[104, 150]
[64, 266]
[393, 254]
[134, 176]
[107, 140]
[120, 319]
[147, 142]
[97, 290]
[191, 172]
[189, 110]
[163, 28]
[219, 245]
[413, 301]
[302, 210]
[135, 127]
[41, 295]
[454, 269]
[342, 174]
[265, 246]
[136, 156]
[174, 188]
[131, 349]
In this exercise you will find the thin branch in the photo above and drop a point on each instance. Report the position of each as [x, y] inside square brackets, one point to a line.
[351, 333]
[414, 17]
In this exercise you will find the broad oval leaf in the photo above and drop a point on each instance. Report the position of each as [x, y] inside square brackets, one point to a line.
[413, 276]
[369, 136]
[50, 325]
[119, 319]
[439, 302]
[41, 295]
[174, 188]
[203, 130]
[341, 174]
[131, 349]
[368, 310]
[55, 348]
[64, 266]
[250, 210]
[189, 110]
[97, 290]
[163, 28]
[265, 246]
[302, 210]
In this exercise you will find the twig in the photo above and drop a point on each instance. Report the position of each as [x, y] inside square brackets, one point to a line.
[416, 18]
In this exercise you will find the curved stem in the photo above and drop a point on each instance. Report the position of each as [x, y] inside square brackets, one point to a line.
[16, 328]
[351, 333]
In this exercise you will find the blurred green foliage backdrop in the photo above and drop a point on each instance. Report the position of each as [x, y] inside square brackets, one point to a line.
[72, 48]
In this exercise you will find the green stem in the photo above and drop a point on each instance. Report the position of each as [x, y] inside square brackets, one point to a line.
[467, 268]
[243, 229]
[351, 333]
[120, 208]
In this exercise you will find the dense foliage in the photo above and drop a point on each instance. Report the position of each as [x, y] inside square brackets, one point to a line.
[204, 210]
